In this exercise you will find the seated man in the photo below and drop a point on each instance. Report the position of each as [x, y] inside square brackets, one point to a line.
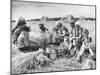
[78, 38]
[77, 28]
[23, 42]
[76, 41]
[56, 31]
[58, 28]
[60, 31]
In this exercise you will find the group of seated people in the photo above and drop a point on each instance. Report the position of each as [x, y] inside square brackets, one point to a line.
[77, 39]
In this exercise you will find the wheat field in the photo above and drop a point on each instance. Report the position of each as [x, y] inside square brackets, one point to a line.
[26, 62]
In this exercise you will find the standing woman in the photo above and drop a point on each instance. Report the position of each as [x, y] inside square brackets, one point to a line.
[17, 30]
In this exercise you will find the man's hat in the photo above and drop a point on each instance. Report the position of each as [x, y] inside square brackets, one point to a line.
[21, 19]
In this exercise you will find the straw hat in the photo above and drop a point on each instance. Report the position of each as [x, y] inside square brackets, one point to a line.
[21, 19]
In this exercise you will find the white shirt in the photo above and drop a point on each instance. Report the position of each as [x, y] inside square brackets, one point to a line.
[23, 40]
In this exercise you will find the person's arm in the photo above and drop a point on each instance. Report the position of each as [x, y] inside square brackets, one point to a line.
[15, 36]
[26, 41]
[14, 29]
[74, 38]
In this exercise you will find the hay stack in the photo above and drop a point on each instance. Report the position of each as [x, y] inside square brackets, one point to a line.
[89, 64]
[69, 19]
[28, 62]
[44, 18]
[82, 18]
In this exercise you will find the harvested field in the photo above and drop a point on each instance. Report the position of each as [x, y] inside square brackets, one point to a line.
[27, 63]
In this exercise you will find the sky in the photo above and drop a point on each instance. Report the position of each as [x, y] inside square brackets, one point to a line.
[32, 10]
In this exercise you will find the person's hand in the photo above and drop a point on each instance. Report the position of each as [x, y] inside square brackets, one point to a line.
[14, 42]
